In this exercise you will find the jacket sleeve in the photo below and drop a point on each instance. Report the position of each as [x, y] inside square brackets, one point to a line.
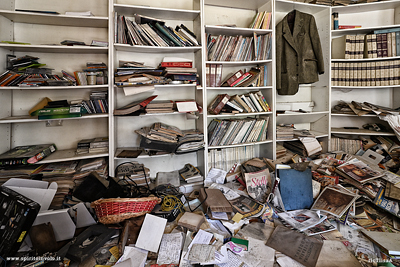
[278, 53]
[316, 44]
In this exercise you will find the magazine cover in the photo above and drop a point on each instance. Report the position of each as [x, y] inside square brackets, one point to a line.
[358, 170]
[246, 206]
[334, 201]
[320, 228]
[302, 219]
[258, 184]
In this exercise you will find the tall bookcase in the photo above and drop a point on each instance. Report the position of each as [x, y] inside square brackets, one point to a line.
[218, 16]
[44, 32]
[189, 13]
[313, 98]
[371, 16]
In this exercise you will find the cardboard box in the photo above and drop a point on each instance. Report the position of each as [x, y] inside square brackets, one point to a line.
[17, 214]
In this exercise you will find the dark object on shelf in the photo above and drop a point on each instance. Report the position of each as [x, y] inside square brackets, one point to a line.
[70, 42]
[17, 214]
[375, 127]
[95, 187]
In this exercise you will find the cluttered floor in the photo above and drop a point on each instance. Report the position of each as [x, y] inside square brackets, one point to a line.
[332, 209]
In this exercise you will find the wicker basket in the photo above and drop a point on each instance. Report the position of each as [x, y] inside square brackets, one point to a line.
[115, 210]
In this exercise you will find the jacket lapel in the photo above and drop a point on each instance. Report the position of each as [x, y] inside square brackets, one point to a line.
[298, 24]
[287, 34]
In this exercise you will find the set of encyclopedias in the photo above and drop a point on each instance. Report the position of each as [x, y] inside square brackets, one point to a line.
[148, 31]
[239, 48]
[237, 131]
[371, 73]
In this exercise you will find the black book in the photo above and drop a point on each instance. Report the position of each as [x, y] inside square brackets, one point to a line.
[188, 31]
[162, 35]
[171, 31]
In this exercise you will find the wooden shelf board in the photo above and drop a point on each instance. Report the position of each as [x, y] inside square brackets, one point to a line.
[221, 30]
[364, 87]
[240, 88]
[366, 7]
[156, 49]
[55, 19]
[55, 49]
[26, 119]
[160, 13]
[79, 87]
[243, 114]
[317, 135]
[352, 115]
[363, 59]
[70, 154]
[300, 117]
[241, 63]
[251, 4]
[243, 144]
[359, 132]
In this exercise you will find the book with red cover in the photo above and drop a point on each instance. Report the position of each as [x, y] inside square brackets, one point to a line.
[133, 107]
[177, 64]
[234, 77]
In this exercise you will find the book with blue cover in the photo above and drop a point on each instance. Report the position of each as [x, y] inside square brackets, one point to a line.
[296, 188]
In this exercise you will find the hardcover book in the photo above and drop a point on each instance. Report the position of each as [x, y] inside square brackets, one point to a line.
[26, 154]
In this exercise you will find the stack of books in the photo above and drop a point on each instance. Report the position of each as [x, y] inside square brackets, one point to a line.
[60, 109]
[92, 145]
[135, 174]
[98, 102]
[83, 146]
[284, 132]
[239, 131]
[161, 132]
[98, 145]
[179, 70]
[86, 166]
[190, 174]
[144, 30]
[250, 102]
[239, 48]
[160, 106]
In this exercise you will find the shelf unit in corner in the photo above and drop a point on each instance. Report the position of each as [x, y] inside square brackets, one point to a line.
[38, 34]
[372, 85]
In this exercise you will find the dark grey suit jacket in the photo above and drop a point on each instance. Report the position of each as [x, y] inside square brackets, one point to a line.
[299, 57]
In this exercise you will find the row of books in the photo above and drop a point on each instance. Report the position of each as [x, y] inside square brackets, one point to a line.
[238, 48]
[98, 102]
[256, 76]
[225, 158]
[92, 145]
[44, 77]
[374, 73]
[250, 102]
[152, 32]
[350, 146]
[239, 131]
[375, 45]
[262, 20]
